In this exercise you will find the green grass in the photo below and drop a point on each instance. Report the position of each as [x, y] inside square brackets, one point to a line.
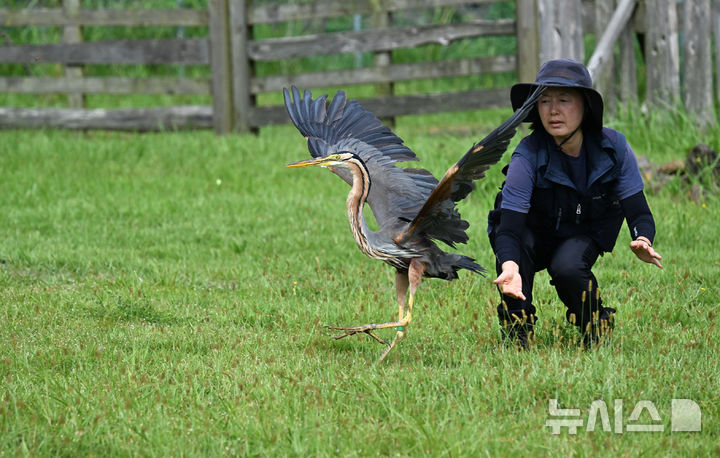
[164, 294]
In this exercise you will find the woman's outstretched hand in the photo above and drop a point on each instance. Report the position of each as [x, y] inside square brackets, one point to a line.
[644, 251]
[509, 281]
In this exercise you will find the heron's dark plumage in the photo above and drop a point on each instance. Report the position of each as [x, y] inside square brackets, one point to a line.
[411, 207]
[435, 217]
[344, 125]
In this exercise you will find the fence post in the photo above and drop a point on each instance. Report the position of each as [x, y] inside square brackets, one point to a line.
[604, 81]
[528, 51]
[220, 63]
[381, 19]
[242, 67]
[72, 34]
[628, 68]
[602, 63]
[561, 29]
[697, 62]
[662, 53]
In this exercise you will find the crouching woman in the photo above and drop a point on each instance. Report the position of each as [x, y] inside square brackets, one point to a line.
[570, 184]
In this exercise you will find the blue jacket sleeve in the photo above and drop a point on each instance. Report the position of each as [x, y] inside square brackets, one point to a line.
[630, 180]
[519, 184]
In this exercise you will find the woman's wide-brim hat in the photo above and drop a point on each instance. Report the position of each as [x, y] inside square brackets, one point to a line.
[561, 73]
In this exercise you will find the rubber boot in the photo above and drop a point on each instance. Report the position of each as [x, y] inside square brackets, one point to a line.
[517, 329]
[600, 329]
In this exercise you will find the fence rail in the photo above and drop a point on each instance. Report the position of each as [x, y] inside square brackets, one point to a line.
[136, 119]
[188, 51]
[389, 74]
[543, 29]
[104, 85]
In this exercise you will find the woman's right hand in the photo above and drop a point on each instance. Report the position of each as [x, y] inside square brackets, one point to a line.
[509, 280]
[644, 251]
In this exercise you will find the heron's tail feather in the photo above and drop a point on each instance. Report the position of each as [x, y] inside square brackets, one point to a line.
[447, 265]
[468, 263]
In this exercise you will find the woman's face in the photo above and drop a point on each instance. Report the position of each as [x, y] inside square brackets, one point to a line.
[561, 111]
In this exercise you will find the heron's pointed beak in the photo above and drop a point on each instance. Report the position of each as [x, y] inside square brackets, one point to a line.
[321, 161]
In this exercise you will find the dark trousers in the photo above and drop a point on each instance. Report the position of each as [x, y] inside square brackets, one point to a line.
[569, 263]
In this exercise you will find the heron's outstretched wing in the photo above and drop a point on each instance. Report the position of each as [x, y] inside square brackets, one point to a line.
[435, 219]
[396, 194]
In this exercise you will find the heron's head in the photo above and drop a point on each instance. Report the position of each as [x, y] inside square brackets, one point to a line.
[332, 160]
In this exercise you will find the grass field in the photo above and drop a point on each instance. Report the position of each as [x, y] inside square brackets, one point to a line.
[164, 294]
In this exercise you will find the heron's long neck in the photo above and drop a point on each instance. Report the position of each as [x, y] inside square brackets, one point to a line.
[356, 201]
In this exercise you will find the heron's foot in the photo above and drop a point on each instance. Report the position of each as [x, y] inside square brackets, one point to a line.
[352, 330]
[368, 329]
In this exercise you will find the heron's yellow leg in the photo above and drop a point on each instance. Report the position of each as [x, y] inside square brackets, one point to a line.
[403, 281]
[414, 277]
[403, 321]
[401, 287]
[366, 328]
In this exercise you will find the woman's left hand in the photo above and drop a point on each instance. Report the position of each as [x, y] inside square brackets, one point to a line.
[645, 252]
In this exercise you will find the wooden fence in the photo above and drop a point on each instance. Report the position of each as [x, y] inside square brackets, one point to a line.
[674, 40]
[543, 29]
